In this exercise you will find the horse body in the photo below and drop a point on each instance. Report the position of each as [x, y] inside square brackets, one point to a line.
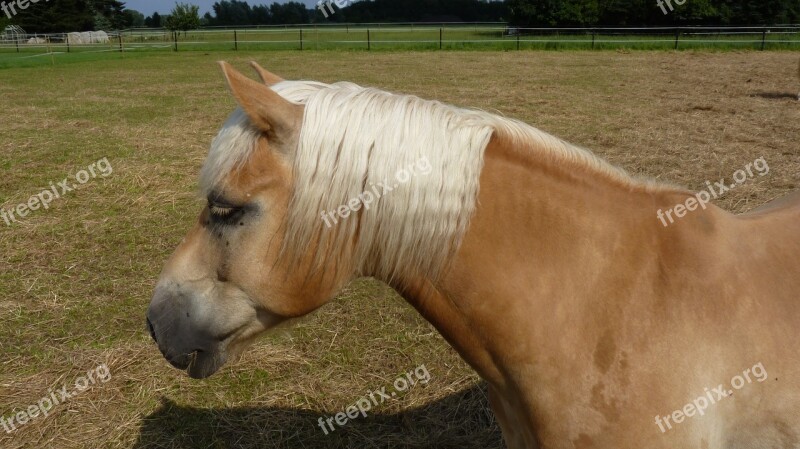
[589, 319]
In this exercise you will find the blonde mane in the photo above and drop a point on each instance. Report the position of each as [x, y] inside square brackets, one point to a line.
[354, 139]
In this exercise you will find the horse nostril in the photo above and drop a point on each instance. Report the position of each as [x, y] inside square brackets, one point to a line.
[152, 330]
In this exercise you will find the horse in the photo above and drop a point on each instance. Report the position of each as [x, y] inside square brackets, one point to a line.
[594, 324]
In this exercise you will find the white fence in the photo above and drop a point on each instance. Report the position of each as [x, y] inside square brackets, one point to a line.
[410, 36]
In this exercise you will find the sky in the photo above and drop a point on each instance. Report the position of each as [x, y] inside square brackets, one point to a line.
[148, 7]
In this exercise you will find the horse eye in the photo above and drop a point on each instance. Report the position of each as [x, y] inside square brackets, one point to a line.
[224, 213]
[220, 211]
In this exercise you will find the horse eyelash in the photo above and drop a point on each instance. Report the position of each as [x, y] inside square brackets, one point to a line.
[221, 212]
[224, 215]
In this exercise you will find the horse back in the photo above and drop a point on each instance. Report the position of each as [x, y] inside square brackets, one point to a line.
[786, 204]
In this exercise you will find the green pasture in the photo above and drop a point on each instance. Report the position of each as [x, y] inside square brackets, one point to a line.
[420, 37]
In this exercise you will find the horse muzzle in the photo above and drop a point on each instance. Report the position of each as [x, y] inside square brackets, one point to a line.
[177, 326]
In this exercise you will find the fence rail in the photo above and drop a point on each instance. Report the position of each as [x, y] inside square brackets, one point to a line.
[415, 36]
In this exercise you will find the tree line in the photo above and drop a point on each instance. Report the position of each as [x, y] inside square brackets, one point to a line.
[237, 13]
[56, 16]
[86, 15]
[623, 13]
[525, 13]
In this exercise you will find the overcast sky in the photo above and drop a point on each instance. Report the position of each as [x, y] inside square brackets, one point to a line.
[148, 7]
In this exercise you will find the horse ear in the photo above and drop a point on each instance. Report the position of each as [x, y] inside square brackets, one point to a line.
[267, 110]
[266, 76]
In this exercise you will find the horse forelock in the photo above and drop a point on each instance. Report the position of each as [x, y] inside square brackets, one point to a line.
[230, 149]
[238, 138]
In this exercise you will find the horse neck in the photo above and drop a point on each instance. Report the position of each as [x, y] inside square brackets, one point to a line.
[547, 231]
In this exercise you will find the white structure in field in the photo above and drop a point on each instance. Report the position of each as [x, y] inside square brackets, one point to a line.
[100, 37]
[88, 37]
[13, 33]
[74, 38]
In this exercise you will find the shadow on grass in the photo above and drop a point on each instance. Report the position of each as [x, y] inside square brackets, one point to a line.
[776, 95]
[459, 421]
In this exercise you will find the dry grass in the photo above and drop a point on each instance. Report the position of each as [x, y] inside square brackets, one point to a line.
[75, 279]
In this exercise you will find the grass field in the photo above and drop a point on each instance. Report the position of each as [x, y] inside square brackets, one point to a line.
[426, 37]
[75, 279]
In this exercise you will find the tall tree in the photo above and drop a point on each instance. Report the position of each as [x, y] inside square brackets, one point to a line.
[55, 17]
[261, 15]
[183, 17]
[232, 12]
[111, 10]
[133, 18]
[101, 22]
[153, 21]
[70, 15]
[291, 12]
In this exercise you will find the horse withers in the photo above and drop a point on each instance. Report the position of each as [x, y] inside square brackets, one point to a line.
[546, 268]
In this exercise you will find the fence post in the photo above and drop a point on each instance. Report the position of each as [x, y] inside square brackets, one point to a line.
[369, 43]
[235, 40]
[66, 39]
[301, 39]
[440, 38]
[763, 40]
[119, 36]
[52, 57]
[175, 39]
[677, 37]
